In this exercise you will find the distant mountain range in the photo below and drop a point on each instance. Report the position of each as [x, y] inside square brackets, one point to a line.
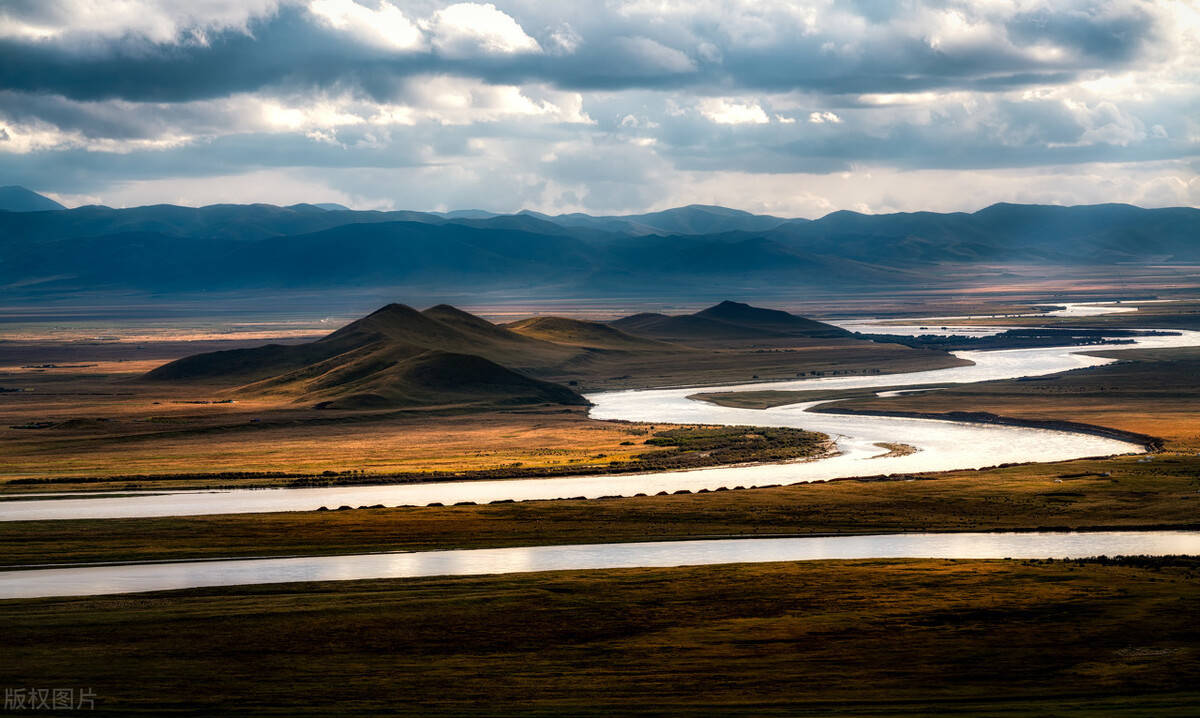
[18, 199]
[165, 249]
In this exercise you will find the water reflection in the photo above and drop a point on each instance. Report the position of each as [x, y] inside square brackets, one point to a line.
[100, 580]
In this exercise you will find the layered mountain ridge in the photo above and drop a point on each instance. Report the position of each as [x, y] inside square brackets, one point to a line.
[170, 250]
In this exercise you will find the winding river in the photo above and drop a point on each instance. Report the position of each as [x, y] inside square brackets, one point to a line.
[941, 445]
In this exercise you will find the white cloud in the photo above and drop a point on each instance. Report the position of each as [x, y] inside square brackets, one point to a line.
[724, 112]
[23, 30]
[877, 189]
[133, 126]
[160, 21]
[823, 117]
[459, 101]
[1106, 123]
[385, 26]
[468, 29]
[25, 138]
[310, 115]
[282, 187]
[898, 98]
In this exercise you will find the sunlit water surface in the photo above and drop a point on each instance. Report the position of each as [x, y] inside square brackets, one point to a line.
[100, 580]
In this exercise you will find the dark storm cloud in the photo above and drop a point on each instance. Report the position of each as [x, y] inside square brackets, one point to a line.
[294, 48]
[285, 49]
[1092, 32]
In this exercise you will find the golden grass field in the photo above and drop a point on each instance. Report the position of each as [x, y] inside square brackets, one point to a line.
[419, 441]
[93, 418]
[118, 426]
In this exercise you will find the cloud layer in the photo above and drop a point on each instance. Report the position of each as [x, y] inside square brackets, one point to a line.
[602, 107]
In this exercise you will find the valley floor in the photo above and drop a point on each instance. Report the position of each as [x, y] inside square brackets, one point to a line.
[855, 638]
[1152, 392]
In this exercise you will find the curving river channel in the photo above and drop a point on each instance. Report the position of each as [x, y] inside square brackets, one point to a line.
[941, 445]
[129, 578]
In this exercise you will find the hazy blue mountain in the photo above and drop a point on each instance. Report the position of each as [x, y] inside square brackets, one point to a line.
[1004, 233]
[706, 219]
[467, 214]
[349, 255]
[166, 249]
[332, 206]
[14, 198]
[692, 219]
[400, 252]
[232, 221]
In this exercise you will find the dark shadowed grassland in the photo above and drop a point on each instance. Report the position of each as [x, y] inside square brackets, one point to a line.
[1118, 493]
[906, 637]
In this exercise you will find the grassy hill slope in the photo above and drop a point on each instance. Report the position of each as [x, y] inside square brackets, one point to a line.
[395, 356]
[725, 323]
[575, 332]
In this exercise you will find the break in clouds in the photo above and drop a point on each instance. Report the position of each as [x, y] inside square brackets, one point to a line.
[790, 108]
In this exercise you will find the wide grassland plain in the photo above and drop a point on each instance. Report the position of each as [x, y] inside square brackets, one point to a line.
[894, 637]
[857, 638]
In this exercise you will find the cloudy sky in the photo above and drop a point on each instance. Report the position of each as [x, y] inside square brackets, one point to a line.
[792, 108]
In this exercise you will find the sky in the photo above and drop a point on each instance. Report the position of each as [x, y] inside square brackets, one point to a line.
[603, 106]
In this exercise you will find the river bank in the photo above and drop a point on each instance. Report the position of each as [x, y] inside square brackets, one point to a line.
[1118, 493]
